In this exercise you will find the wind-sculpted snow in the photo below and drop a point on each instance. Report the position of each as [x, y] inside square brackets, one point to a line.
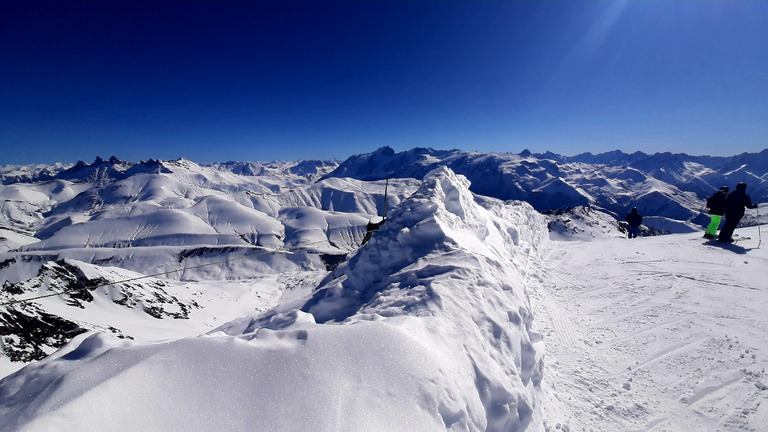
[426, 328]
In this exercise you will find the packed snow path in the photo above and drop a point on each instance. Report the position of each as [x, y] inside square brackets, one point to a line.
[654, 334]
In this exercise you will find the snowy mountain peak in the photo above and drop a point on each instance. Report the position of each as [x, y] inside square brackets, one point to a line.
[99, 171]
[384, 151]
[424, 224]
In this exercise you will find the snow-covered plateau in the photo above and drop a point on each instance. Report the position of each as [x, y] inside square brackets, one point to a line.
[168, 295]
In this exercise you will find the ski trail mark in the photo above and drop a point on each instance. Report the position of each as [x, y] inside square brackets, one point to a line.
[645, 330]
[621, 316]
[563, 329]
[666, 352]
[704, 393]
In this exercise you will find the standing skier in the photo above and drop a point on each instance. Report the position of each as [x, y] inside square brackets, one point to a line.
[716, 205]
[734, 211]
[634, 220]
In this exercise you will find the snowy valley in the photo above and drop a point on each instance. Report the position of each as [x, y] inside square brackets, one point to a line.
[499, 295]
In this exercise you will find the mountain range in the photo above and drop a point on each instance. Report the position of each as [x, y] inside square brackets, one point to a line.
[666, 185]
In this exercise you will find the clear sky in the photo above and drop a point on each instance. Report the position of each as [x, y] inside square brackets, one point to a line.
[245, 81]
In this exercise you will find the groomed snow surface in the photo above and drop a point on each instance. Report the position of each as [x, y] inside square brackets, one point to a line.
[666, 333]
[458, 315]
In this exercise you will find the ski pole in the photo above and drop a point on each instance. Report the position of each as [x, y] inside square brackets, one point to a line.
[759, 235]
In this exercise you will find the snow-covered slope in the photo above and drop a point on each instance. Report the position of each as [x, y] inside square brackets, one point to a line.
[184, 205]
[427, 327]
[181, 222]
[307, 170]
[582, 223]
[664, 333]
[11, 238]
[79, 297]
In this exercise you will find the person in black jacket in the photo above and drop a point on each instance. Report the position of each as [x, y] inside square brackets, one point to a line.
[716, 205]
[634, 220]
[735, 203]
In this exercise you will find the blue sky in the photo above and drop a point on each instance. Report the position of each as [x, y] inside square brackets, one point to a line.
[292, 80]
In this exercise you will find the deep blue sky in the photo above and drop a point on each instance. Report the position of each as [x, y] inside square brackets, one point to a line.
[251, 81]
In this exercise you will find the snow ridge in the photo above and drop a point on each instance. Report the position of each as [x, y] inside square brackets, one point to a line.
[448, 258]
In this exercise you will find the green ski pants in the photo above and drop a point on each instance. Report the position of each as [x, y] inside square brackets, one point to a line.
[714, 224]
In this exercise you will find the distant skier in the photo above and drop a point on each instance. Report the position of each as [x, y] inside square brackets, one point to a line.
[716, 205]
[735, 203]
[634, 220]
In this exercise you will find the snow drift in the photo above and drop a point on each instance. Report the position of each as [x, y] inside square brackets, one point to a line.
[427, 327]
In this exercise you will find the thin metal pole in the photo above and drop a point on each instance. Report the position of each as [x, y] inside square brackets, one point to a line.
[759, 235]
[386, 186]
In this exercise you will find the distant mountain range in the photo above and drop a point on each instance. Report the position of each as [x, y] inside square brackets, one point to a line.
[666, 185]
[663, 184]
[116, 169]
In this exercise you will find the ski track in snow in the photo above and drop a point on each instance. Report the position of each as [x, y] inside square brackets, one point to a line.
[653, 334]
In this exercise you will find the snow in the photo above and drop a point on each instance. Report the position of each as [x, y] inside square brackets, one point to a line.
[663, 184]
[462, 313]
[670, 225]
[419, 333]
[582, 223]
[14, 238]
[329, 231]
[657, 333]
[224, 388]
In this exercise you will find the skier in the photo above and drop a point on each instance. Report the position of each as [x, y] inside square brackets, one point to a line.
[634, 220]
[735, 203]
[716, 205]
